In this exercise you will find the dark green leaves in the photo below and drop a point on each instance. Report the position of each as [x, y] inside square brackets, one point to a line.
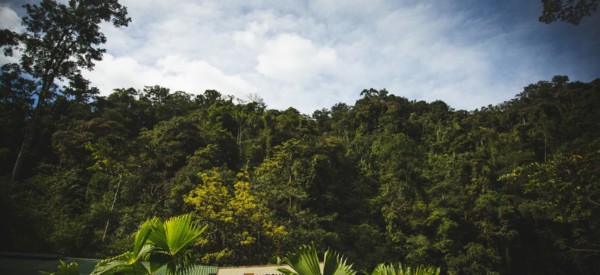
[570, 11]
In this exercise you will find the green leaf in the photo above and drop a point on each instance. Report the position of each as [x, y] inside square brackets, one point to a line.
[65, 269]
[304, 262]
[335, 264]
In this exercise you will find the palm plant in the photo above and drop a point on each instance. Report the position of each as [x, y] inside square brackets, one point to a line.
[158, 248]
[170, 240]
[305, 261]
[383, 269]
[65, 269]
[131, 262]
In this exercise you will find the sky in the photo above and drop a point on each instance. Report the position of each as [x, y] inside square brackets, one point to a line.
[310, 55]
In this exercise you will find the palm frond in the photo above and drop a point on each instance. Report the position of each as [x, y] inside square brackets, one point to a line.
[175, 234]
[115, 264]
[142, 235]
[65, 269]
[383, 269]
[304, 262]
[158, 247]
[181, 232]
[335, 264]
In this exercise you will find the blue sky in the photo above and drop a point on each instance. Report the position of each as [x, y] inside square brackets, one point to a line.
[312, 54]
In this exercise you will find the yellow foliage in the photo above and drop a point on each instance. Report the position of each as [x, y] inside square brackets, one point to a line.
[237, 215]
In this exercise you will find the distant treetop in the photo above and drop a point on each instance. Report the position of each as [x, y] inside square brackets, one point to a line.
[570, 11]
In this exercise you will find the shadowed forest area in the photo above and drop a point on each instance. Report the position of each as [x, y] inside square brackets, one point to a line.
[511, 188]
[503, 188]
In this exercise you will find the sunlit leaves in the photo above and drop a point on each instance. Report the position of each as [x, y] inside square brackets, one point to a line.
[159, 247]
[305, 261]
[239, 218]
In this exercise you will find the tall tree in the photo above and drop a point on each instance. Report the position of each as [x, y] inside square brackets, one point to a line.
[59, 40]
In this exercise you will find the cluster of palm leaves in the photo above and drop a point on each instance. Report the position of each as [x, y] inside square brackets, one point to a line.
[158, 248]
[161, 248]
[305, 261]
[65, 269]
[389, 269]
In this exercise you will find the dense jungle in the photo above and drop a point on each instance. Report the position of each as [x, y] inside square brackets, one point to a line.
[507, 188]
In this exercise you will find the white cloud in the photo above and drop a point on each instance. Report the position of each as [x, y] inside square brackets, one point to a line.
[186, 75]
[253, 35]
[173, 72]
[294, 59]
[9, 19]
[311, 55]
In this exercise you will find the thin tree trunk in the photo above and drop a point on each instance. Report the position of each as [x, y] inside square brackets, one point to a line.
[545, 146]
[47, 82]
[16, 172]
[28, 138]
[112, 206]
[105, 229]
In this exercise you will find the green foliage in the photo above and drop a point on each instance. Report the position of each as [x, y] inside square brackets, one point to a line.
[58, 42]
[507, 189]
[390, 269]
[65, 269]
[570, 11]
[562, 194]
[305, 261]
[242, 227]
[159, 247]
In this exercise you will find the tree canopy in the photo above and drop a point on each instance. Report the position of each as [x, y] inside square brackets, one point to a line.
[569, 11]
[510, 188]
[59, 41]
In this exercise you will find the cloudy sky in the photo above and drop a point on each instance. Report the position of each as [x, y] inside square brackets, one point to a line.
[312, 54]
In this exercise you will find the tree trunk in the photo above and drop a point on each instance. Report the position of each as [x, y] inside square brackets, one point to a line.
[47, 81]
[16, 172]
[27, 139]
[112, 206]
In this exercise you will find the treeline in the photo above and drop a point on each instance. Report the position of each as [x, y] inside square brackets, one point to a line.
[511, 188]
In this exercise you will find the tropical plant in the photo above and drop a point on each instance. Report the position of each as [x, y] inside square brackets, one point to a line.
[65, 269]
[159, 248]
[170, 240]
[305, 261]
[390, 269]
[131, 261]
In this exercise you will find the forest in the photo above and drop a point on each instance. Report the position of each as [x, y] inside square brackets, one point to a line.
[512, 188]
[508, 187]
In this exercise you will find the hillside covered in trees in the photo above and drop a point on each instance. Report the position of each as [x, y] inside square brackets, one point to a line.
[512, 188]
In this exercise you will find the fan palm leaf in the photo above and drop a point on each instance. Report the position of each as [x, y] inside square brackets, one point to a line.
[158, 248]
[305, 261]
[383, 269]
[335, 264]
[175, 234]
[170, 239]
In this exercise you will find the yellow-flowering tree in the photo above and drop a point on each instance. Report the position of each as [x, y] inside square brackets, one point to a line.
[242, 229]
